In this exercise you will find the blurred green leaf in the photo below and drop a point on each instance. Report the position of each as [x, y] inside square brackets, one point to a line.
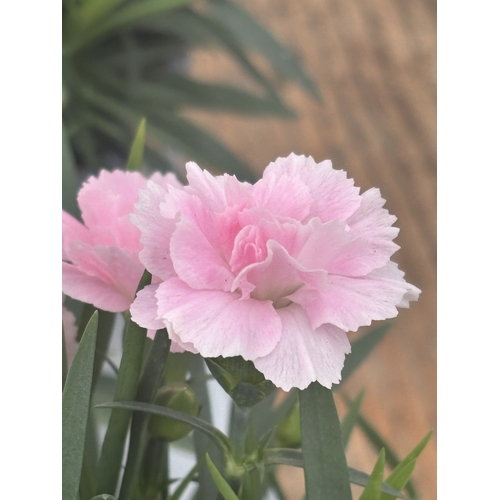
[104, 496]
[222, 485]
[360, 350]
[131, 13]
[351, 417]
[374, 486]
[70, 179]
[402, 472]
[325, 465]
[146, 391]
[126, 387]
[137, 150]
[75, 410]
[254, 36]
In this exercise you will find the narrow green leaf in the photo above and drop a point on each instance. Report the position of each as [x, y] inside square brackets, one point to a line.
[402, 472]
[137, 150]
[325, 465]
[215, 434]
[75, 410]
[379, 442]
[401, 477]
[126, 387]
[360, 350]
[222, 485]
[254, 36]
[202, 442]
[146, 390]
[374, 486]
[293, 458]
[351, 417]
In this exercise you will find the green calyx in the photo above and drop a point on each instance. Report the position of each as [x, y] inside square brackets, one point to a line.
[240, 379]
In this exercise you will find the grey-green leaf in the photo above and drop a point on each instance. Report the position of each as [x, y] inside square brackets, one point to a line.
[75, 410]
[285, 456]
[126, 388]
[134, 161]
[325, 465]
[373, 488]
[222, 485]
[217, 436]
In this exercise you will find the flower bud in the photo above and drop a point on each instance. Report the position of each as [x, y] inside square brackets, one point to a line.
[176, 396]
[240, 379]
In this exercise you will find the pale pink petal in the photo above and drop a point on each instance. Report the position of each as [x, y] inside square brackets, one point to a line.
[111, 266]
[156, 231]
[334, 196]
[209, 189]
[219, 323]
[283, 195]
[196, 260]
[333, 247]
[304, 355]
[374, 223]
[92, 290]
[144, 309]
[277, 277]
[106, 203]
[73, 230]
[353, 302]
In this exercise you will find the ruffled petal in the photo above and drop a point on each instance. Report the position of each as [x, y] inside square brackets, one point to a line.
[156, 231]
[110, 265]
[73, 230]
[349, 303]
[374, 223]
[304, 355]
[218, 323]
[334, 195]
[92, 290]
[144, 309]
[196, 260]
[283, 196]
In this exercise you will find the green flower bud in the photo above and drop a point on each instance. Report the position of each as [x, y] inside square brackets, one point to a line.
[176, 396]
[288, 429]
[240, 379]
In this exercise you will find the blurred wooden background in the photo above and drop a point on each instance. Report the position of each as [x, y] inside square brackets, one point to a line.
[374, 62]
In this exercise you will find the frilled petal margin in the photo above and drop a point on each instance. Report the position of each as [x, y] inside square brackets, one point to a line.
[156, 231]
[304, 355]
[349, 303]
[219, 323]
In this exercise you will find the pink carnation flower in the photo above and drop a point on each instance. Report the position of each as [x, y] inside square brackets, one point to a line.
[275, 272]
[101, 257]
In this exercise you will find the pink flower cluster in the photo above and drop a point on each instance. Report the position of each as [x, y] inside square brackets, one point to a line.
[276, 272]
